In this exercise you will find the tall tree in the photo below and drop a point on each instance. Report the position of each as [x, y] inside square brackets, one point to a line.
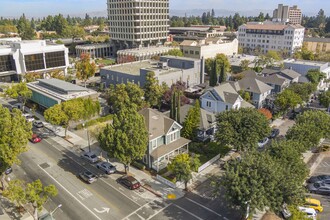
[191, 122]
[24, 28]
[175, 52]
[244, 64]
[152, 90]
[324, 98]
[126, 138]
[315, 76]
[74, 32]
[14, 136]
[287, 100]
[20, 92]
[223, 75]
[85, 68]
[241, 129]
[213, 81]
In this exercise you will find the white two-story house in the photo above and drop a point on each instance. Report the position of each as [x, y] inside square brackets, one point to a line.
[221, 98]
[165, 141]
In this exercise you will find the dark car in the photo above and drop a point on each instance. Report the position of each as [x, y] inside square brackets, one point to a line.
[275, 132]
[318, 178]
[8, 170]
[88, 177]
[319, 188]
[130, 182]
[108, 168]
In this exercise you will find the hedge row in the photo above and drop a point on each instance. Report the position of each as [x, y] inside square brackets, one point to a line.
[138, 165]
[95, 121]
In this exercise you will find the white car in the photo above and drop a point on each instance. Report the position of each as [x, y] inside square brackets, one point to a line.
[311, 213]
[263, 142]
[38, 124]
[29, 117]
[90, 156]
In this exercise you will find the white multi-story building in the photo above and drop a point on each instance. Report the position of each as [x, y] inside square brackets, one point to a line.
[284, 13]
[135, 23]
[19, 57]
[270, 36]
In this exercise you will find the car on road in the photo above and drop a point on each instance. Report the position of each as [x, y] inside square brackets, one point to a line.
[313, 203]
[107, 167]
[38, 124]
[90, 157]
[29, 117]
[275, 132]
[318, 178]
[319, 188]
[35, 138]
[263, 142]
[130, 182]
[88, 177]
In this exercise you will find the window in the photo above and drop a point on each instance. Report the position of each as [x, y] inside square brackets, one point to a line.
[226, 107]
[34, 62]
[208, 104]
[154, 144]
[55, 59]
[7, 63]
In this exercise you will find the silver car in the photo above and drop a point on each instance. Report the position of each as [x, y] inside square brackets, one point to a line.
[90, 157]
[108, 168]
[319, 188]
[38, 124]
[88, 177]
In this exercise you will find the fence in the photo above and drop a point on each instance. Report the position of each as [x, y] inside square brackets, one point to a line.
[165, 181]
[208, 163]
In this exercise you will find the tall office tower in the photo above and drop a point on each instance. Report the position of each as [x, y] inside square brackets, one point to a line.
[135, 23]
[287, 14]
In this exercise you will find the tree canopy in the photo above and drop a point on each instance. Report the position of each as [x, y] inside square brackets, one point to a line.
[241, 129]
[191, 122]
[287, 100]
[126, 138]
[175, 52]
[153, 92]
[315, 76]
[85, 68]
[324, 98]
[19, 91]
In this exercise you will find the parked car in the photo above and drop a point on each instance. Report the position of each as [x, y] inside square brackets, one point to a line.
[311, 213]
[314, 203]
[318, 178]
[108, 168]
[285, 212]
[275, 132]
[38, 124]
[130, 182]
[88, 177]
[90, 157]
[8, 170]
[263, 142]
[29, 117]
[319, 188]
[35, 138]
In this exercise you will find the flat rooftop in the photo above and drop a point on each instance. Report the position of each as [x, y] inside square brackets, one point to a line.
[305, 62]
[145, 50]
[236, 60]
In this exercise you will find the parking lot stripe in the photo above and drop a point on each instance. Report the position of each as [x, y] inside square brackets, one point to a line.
[210, 210]
[188, 212]
[167, 205]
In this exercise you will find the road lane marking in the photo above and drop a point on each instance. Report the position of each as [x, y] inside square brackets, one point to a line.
[84, 194]
[89, 170]
[70, 193]
[185, 210]
[104, 209]
[141, 207]
[153, 215]
[204, 207]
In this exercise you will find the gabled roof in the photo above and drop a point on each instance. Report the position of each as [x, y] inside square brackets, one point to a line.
[188, 43]
[249, 73]
[225, 93]
[290, 73]
[157, 124]
[273, 79]
[269, 71]
[251, 84]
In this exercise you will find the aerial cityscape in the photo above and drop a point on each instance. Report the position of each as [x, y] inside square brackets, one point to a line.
[164, 110]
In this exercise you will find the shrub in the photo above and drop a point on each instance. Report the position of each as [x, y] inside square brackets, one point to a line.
[95, 121]
[138, 165]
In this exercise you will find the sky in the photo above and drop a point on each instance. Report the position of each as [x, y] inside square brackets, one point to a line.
[40, 8]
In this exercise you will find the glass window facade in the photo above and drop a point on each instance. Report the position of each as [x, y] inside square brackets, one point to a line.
[7, 63]
[34, 62]
[55, 59]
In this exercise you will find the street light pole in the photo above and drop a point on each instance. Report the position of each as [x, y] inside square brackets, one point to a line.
[52, 213]
[89, 145]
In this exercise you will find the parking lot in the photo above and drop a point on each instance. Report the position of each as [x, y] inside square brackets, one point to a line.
[323, 168]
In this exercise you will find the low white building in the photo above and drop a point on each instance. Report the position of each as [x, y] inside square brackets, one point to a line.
[270, 36]
[208, 48]
[19, 57]
[95, 50]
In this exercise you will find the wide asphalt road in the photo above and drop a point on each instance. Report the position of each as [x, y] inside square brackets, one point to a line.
[53, 164]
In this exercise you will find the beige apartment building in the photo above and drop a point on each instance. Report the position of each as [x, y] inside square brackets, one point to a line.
[136, 23]
[317, 44]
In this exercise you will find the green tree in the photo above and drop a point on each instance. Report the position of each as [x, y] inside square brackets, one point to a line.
[324, 98]
[223, 75]
[59, 24]
[175, 52]
[244, 64]
[191, 122]
[152, 90]
[242, 128]
[297, 214]
[19, 91]
[15, 192]
[24, 28]
[182, 167]
[222, 60]
[74, 32]
[287, 100]
[213, 81]
[126, 138]
[274, 55]
[85, 68]
[315, 76]
[303, 90]
[245, 95]
[209, 62]
[36, 194]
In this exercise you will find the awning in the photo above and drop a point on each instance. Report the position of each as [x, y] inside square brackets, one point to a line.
[166, 149]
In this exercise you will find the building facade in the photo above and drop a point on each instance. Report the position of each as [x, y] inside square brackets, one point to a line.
[168, 70]
[95, 50]
[317, 44]
[208, 48]
[135, 23]
[270, 36]
[20, 57]
[287, 14]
